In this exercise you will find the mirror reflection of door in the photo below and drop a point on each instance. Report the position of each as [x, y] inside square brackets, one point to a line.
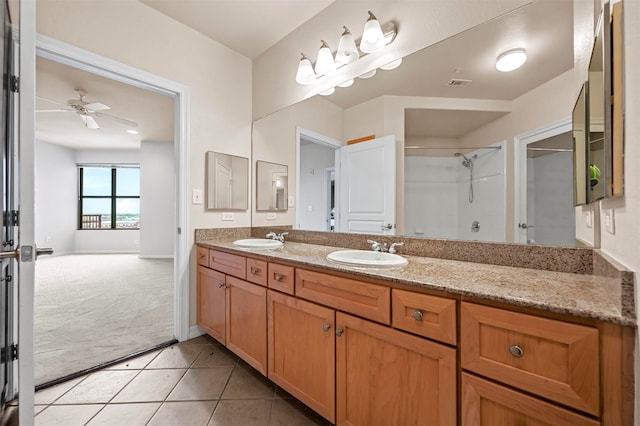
[550, 216]
[224, 179]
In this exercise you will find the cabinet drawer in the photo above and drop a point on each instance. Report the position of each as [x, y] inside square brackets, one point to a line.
[486, 403]
[359, 298]
[553, 359]
[257, 271]
[203, 256]
[281, 278]
[429, 316]
[227, 263]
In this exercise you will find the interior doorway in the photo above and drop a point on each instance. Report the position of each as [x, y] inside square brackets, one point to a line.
[103, 243]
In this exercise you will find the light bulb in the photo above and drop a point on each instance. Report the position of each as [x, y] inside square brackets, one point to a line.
[372, 36]
[347, 50]
[346, 83]
[305, 74]
[368, 74]
[325, 63]
[392, 65]
[328, 92]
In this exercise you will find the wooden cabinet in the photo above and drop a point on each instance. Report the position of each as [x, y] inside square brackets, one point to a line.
[246, 322]
[202, 256]
[211, 303]
[281, 278]
[429, 316]
[302, 351]
[487, 403]
[388, 377]
[553, 359]
[257, 271]
[227, 263]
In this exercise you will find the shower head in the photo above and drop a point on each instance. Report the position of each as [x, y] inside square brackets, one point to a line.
[467, 162]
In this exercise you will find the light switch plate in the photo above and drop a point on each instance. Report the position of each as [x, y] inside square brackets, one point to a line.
[227, 216]
[609, 221]
[292, 202]
[196, 196]
[588, 215]
[271, 216]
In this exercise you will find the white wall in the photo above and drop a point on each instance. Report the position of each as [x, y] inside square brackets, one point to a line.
[56, 197]
[314, 160]
[157, 199]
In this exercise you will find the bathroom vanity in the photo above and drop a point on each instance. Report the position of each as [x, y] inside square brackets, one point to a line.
[434, 342]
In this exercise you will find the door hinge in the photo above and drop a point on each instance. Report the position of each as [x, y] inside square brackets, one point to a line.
[15, 84]
[9, 354]
[11, 218]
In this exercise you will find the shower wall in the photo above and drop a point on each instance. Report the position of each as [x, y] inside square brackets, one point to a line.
[437, 191]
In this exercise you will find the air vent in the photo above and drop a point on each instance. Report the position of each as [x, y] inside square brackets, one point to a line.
[458, 82]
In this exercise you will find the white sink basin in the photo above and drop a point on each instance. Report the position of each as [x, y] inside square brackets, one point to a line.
[258, 244]
[367, 258]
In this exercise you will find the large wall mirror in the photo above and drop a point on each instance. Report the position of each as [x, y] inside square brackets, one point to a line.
[227, 181]
[580, 168]
[456, 121]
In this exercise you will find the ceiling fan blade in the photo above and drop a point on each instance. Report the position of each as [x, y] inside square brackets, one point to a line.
[89, 122]
[51, 100]
[97, 106]
[116, 118]
[55, 110]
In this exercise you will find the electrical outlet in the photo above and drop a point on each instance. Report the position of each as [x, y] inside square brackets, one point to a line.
[588, 219]
[291, 201]
[310, 208]
[196, 197]
[227, 216]
[609, 221]
[271, 216]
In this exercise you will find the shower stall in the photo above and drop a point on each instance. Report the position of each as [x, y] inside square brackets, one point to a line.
[457, 194]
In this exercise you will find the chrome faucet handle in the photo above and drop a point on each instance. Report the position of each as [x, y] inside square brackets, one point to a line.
[281, 236]
[272, 235]
[392, 249]
[375, 246]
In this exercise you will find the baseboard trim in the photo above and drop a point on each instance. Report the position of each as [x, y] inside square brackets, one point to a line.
[195, 331]
[155, 256]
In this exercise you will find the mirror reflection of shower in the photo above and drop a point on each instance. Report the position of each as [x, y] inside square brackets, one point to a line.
[468, 162]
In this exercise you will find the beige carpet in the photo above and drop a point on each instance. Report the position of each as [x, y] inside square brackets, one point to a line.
[90, 309]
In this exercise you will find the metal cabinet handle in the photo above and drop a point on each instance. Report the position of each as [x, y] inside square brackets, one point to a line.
[417, 315]
[255, 271]
[339, 331]
[516, 351]
[202, 255]
[278, 277]
[222, 285]
[326, 327]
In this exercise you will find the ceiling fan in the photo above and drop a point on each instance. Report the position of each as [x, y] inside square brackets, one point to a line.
[87, 111]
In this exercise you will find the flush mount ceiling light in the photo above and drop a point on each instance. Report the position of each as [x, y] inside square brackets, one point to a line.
[347, 50]
[328, 92]
[372, 35]
[392, 65]
[305, 74]
[511, 60]
[325, 63]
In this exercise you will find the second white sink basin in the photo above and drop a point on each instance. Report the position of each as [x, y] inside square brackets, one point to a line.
[374, 259]
[258, 244]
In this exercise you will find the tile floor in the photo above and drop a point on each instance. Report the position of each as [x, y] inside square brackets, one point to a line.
[198, 382]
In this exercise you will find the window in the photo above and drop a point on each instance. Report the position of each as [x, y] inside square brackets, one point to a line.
[109, 197]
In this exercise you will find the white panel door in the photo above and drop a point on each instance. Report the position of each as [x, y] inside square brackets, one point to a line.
[367, 187]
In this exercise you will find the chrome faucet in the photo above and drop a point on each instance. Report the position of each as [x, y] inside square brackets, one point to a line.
[376, 246]
[277, 237]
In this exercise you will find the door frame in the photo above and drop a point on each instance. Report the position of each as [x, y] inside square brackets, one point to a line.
[520, 168]
[315, 137]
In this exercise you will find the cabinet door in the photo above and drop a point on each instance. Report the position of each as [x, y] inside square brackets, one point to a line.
[302, 351]
[486, 403]
[247, 322]
[211, 303]
[388, 377]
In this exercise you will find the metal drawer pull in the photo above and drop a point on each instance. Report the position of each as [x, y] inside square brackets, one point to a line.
[339, 331]
[222, 285]
[255, 271]
[202, 255]
[278, 277]
[326, 327]
[516, 351]
[417, 315]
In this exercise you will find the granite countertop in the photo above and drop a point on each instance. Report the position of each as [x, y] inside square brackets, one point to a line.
[578, 295]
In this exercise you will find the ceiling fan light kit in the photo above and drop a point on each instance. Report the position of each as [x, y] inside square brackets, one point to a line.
[374, 38]
[87, 111]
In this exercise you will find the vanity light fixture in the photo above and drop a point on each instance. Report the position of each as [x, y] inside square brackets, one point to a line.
[347, 50]
[346, 83]
[372, 35]
[305, 74]
[325, 63]
[392, 65]
[511, 60]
